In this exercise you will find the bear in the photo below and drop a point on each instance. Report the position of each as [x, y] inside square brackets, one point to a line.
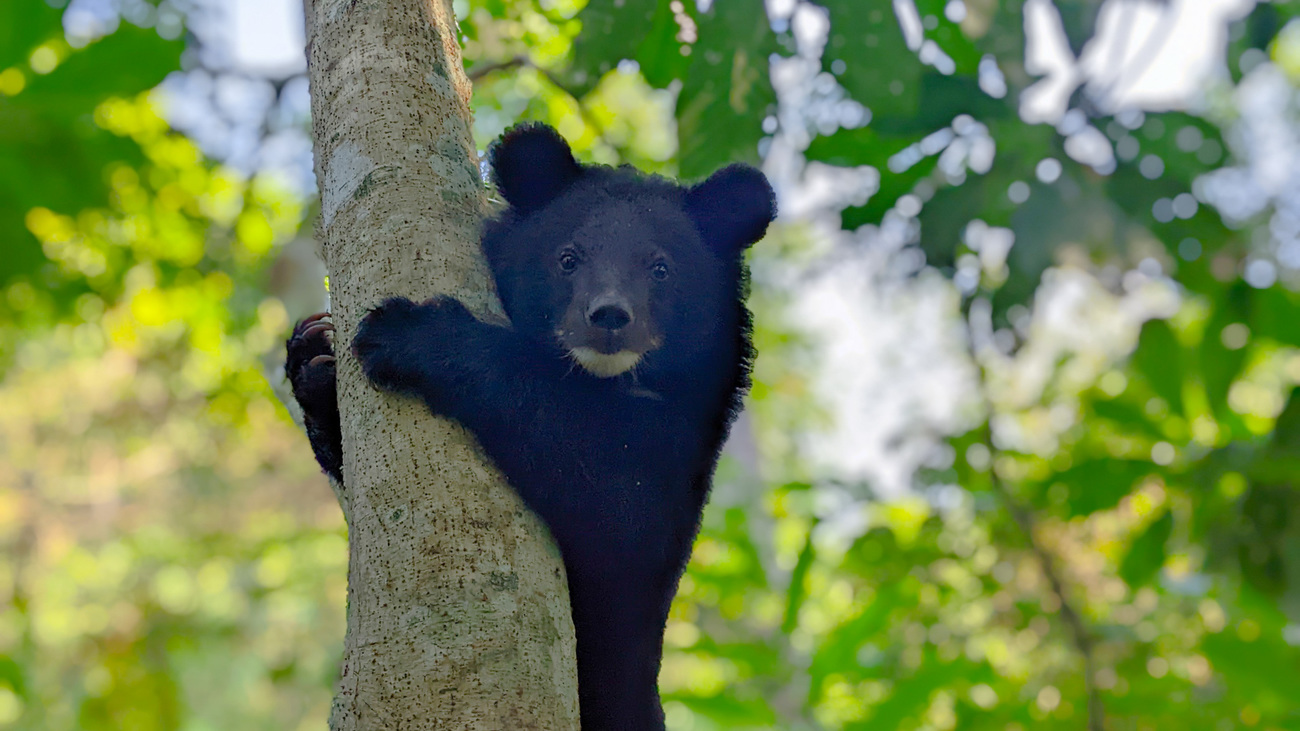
[605, 402]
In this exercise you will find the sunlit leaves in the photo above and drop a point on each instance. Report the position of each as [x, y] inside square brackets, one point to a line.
[167, 225]
[148, 403]
[54, 156]
[173, 542]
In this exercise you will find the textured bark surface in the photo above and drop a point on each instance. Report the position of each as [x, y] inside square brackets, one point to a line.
[458, 616]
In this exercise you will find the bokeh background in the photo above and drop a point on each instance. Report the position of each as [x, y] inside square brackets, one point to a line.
[1023, 450]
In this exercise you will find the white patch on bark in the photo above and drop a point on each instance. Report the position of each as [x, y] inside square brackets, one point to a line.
[441, 166]
[334, 9]
[417, 617]
[441, 85]
[348, 168]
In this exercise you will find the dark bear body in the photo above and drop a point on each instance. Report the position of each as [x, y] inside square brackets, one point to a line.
[607, 402]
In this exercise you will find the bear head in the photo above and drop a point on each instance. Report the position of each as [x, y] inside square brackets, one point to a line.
[617, 269]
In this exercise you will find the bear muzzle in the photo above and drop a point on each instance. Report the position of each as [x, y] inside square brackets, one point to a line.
[605, 365]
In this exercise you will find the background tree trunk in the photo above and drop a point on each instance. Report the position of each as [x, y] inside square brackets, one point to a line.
[458, 615]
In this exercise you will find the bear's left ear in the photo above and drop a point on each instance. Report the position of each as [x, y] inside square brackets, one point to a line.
[732, 208]
[531, 165]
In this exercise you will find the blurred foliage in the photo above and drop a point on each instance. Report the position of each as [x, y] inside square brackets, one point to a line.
[54, 152]
[1116, 526]
[169, 559]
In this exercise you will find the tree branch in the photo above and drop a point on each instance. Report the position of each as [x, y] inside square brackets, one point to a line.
[1074, 621]
[483, 71]
[1024, 519]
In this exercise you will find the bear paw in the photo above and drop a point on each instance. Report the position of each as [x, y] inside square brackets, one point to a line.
[447, 315]
[309, 364]
[383, 343]
[399, 341]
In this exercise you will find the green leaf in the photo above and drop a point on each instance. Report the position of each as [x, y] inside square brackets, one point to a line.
[798, 589]
[1147, 554]
[949, 36]
[868, 146]
[1257, 30]
[911, 695]
[1099, 484]
[941, 99]
[729, 711]
[51, 152]
[660, 54]
[612, 30]
[1286, 432]
[1220, 364]
[1269, 550]
[946, 215]
[1070, 212]
[1185, 148]
[24, 25]
[862, 146]
[1041, 225]
[12, 675]
[646, 31]
[1266, 672]
[1159, 358]
[726, 91]
[757, 654]
[123, 64]
[878, 69]
[1275, 314]
[838, 653]
[1005, 40]
[1078, 17]
[1129, 417]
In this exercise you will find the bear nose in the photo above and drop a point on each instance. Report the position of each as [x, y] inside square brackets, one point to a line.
[609, 317]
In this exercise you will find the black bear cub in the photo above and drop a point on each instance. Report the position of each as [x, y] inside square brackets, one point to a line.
[606, 404]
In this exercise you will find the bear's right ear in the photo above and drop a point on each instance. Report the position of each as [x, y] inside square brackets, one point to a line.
[531, 165]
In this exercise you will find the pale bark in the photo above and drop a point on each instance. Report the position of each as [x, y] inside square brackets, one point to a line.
[458, 616]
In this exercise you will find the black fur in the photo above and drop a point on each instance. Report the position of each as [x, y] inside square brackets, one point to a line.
[618, 467]
[309, 366]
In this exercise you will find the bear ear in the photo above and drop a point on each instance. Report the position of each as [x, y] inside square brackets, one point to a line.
[732, 208]
[531, 165]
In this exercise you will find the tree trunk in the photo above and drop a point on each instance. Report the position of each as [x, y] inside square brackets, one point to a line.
[458, 614]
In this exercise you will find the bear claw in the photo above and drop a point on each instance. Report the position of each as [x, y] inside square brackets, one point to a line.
[309, 364]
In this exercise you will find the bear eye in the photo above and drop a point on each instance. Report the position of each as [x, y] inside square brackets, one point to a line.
[568, 261]
[659, 270]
